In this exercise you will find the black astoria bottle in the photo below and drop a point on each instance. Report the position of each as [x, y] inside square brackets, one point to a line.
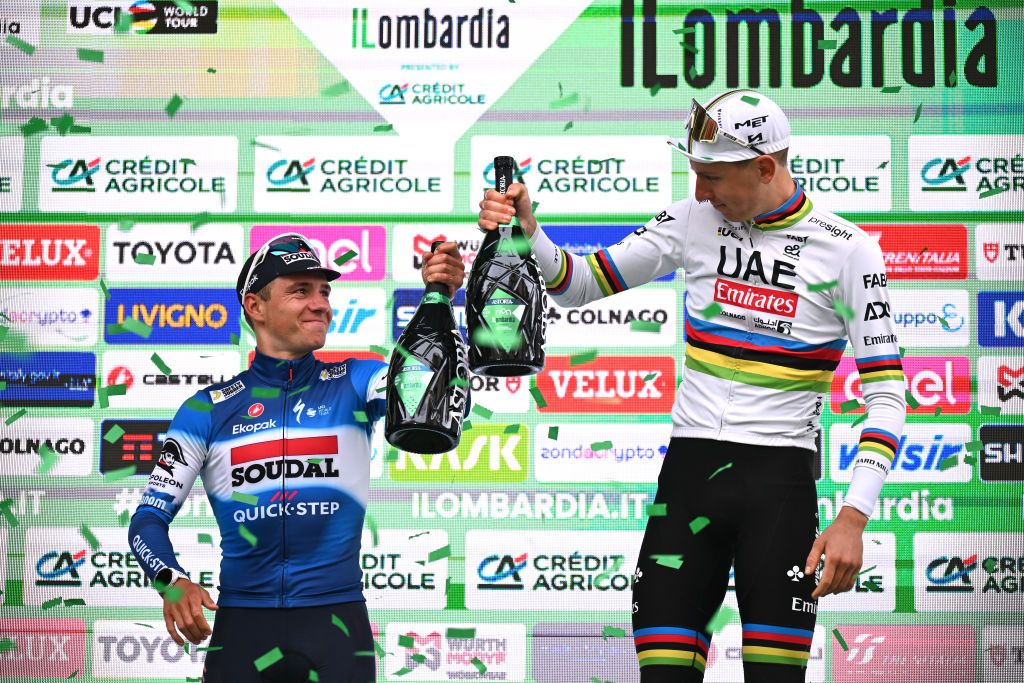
[505, 298]
[425, 407]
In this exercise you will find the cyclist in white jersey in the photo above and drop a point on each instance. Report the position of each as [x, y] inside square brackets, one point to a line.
[776, 287]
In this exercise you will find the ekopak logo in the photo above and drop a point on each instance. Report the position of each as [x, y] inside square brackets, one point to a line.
[922, 252]
[330, 242]
[43, 648]
[608, 384]
[50, 252]
[587, 239]
[934, 382]
[174, 316]
[1000, 319]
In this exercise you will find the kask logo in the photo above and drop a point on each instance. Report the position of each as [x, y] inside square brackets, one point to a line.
[501, 572]
[945, 174]
[289, 175]
[392, 93]
[74, 175]
[524, 167]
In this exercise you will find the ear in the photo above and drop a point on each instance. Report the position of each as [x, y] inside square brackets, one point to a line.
[255, 307]
[767, 167]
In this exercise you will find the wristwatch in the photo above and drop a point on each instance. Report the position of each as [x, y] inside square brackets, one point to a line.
[168, 576]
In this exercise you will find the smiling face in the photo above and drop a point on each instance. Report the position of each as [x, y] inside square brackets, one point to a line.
[294, 320]
[735, 189]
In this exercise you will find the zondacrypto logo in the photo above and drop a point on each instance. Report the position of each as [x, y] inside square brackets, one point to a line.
[482, 29]
[348, 176]
[133, 176]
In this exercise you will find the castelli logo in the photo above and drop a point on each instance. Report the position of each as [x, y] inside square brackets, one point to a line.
[255, 410]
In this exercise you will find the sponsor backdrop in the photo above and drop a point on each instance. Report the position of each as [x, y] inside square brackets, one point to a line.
[149, 147]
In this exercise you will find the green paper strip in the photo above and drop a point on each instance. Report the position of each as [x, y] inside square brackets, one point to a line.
[7, 645]
[637, 325]
[482, 412]
[185, 6]
[911, 401]
[403, 671]
[32, 126]
[265, 392]
[136, 327]
[201, 406]
[460, 633]
[970, 460]
[47, 459]
[687, 47]
[992, 193]
[649, 376]
[209, 648]
[826, 44]
[336, 620]
[204, 538]
[538, 396]
[613, 632]
[21, 44]
[439, 554]
[406, 641]
[655, 89]
[564, 102]
[721, 618]
[567, 126]
[301, 389]
[15, 417]
[87, 55]
[750, 100]
[210, 70]
[892, 89]
[945, 325]
[840, 307]
[246, 498]
[360, 416]
[87, 534]
[249, 536]
[371, 523]
[512, 429]
[670, 561]
[847, 406]
[711, 311]
[581, 358]
[313, 676]
[383, 128]
[267, 660]
[106, 292]
[145, 259]
[123, 518]
[456, 382]
[378, 649]
[656, 510]
[822, 286]
[553, 432]
[974, 446]
[339, 88]
[73, 674]
[160, 364]
[860, 418]
[697, 524]
[116, 389]
[173, 106]
[119, 474]
[720, 469]
[52, 603]
[5, 510]
[601, 445]
[74, 602]
[865, 571]
[917, 114]
[938, 411]
[3, 385]
[948, 463]
[839, 639]
[989, 410]
[345, 258]
[685, 30]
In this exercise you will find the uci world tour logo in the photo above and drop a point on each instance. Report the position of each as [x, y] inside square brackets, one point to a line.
[392, 93]
[524, 168]
[948, 178]
[74, 175]
[289, 175]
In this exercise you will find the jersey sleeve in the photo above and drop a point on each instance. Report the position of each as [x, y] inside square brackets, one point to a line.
[181, 459]
[653, 250]
[370, 378]
[872, 333]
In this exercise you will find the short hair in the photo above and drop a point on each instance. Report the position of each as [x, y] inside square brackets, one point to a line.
[781, 157]
[263, 294]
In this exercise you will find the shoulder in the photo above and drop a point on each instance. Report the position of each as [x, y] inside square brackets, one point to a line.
[224, 391]
[357, 370]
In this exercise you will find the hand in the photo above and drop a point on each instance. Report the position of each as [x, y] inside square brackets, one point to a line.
[444, 266]
[496, 208]
[843, 547]
[187, 612]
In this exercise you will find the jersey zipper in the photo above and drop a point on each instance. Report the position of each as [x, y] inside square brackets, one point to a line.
[284, 497]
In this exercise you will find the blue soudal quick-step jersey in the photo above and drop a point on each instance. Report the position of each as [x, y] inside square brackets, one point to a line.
[283, 449]
[770, 306]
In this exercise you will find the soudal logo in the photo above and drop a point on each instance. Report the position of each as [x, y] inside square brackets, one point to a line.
[42, 648]
[1002, 455]
[482, 29]
[608, 384]
[922, 252]
[290, 175]
[522, 168]
[934, 382]
[925, 453]
[50, 252]
[756, 298]
[74, 175]
[330, 242]
[140, 445]
[247, 466]
[157, 17]
[173, 316]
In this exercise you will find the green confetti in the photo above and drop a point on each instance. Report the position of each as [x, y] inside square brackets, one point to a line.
[119, 474]
[3, 384]
[360, 416]
[553, 432]
[106, 292]
[87, 534]
[52, 603]
[123, 518]
[15, 417]
[185, 6]
[698, 523]
[246, 498]
[945, 325]
[160, 364]
[336, 620]
[581, 358]
[265, 392]
[47, 459]
[204, 538]
[313, 675]
[564, 102]
[173, 106]
[301, 389]
[482, 412]
[479, 665]
[989, 410]
[974, 446]
[992, 193]
[116, 389]
[842, 309]
[839, 639]
[21, 44]
[267, 660]
[822, 286]
[970, 460]
[136, 327]
[513, 429]
[567, 126]
[720, 469]
[86, 55]
[439, 554]
[826, 44]
[612, 632]
[847, 406]
[63, 123]
[948, 463]
[892, 89]
[938, 411]
[460, 633]
[655, 89]
[750, 100]
[656, 510]
[32, 126]
[378, 649]
[73, 674]
[201, 406]
[5, 510]
[670, 561]
[538, 396]
[371, 523]
[406, 641]
[403, 671]
[872, 586]
[685, 30]
[951, 79]
[7, 645]
[917, 114]
[340, 88]
[903, 351]
[601, 446]
[722, 617]
[637, 325]
[74, 602]
[383, 128]
[234, 339]
[209, 648]
[345, 258]
[484, 336]
[860, 418]
[145, 259]
[711, 311]
[911, 401]
[249, 536]
[210, 70]
[649, 376]
[456, 382]
[687, 47]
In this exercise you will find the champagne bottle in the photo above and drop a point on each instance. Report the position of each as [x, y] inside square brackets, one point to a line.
[505, 298]
[425, 407]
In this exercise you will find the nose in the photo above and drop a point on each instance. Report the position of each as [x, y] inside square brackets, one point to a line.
[319, 304]
[703, 191]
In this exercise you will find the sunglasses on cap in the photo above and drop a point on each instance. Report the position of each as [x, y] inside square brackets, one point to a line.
[702, 127]
[285, 243]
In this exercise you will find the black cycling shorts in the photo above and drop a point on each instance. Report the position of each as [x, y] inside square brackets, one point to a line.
[761, 507]
[309, 638]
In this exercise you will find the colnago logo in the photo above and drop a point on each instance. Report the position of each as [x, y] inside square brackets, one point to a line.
[609, 320]
[45, 252]
[37, 93]
[62, 316]
[141, 17]
[42, 648]
[968, 572]
[934, 382]
[72, 439]
[921, 654]
[398, 571]
[120, 644]
[809, 63]
[483, 29]
[487, 453]
[247, 466]
[608, 384]
[369, 243]
[929, 453]
[1001, 319]
[501, 648]
[922, 252]
[999, 251]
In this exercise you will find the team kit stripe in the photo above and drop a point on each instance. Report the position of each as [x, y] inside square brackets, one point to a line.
[757, 374]
[731, 336]
[768, 644]
[880, 369]
[792, 212]
[564, 278]
[878, 441]
[809, 358]
[275, 448]
[671, 646]
[606, 273]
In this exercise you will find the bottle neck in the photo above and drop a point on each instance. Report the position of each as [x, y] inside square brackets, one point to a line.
[430, 294]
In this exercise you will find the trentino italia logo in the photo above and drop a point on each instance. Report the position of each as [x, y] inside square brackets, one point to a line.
[524, 168]
[74, 175]
[289, 175]
[945, 174]
[482, 29]
[392, 93]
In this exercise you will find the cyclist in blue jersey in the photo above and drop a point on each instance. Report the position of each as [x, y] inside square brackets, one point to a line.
[776, 289]
[286, 470]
